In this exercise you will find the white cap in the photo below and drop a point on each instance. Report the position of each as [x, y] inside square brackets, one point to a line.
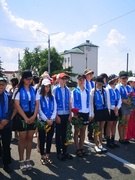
[131, 79]
[46, 82]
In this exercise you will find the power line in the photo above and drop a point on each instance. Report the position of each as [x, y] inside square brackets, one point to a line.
[116, 18]
[102, 24]
[12, 40]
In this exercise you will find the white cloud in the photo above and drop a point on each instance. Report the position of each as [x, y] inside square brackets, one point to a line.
[9, 57]
[114, 38]
[61, 41]
[31, 25]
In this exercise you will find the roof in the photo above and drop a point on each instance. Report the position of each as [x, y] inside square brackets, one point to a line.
[87, 43]
[75, 50]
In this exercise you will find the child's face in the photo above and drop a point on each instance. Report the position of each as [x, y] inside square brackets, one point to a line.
[2, 86]
[47, 88]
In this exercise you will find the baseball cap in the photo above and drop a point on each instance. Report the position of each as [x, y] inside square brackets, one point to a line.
[46, 82]
[27, 74]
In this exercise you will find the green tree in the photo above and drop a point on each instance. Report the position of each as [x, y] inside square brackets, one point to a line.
[1, 70]
[38, 60]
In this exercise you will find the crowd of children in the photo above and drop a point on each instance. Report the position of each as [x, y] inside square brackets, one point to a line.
[35, 104]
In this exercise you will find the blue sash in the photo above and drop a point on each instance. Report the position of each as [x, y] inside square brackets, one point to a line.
[4, 106]
[99, 104]
[24, 99]
[59, 98]
[114, 98]
[133, 90]
[123, 91]
[88, 85]
[77, 98]
[47, 108]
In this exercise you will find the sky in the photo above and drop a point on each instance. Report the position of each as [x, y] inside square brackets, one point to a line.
[109, 24]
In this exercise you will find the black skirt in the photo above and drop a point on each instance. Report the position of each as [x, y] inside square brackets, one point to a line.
[101, 115]
[22, 126]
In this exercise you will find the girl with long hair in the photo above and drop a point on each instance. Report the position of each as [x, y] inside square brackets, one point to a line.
[26, 103]
[47, 113]
[100, 111]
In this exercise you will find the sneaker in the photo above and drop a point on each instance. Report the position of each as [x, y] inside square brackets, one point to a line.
[104, 150]
[96, 148]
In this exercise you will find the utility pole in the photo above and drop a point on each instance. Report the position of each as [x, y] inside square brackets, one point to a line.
[127, 61]
[18, 63]
[49, 60]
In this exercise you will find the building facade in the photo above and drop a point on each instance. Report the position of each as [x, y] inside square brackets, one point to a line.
[82, 57]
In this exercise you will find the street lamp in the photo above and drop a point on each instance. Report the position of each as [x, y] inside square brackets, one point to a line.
[48, 47]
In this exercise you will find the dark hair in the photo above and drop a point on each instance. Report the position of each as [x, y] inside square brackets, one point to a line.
[36, 79]
[20, 85]
[14, 81]
[43, 93]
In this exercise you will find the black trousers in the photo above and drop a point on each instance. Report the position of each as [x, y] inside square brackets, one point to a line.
[6, 139]
[61, 134]
[45, 138]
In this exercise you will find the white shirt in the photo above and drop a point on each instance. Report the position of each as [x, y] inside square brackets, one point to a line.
[42, 116]
[108, 98]
[83, 102]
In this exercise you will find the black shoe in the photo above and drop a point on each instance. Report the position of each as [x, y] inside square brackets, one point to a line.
[111, 146]
[7, 169]
[61, 157]
[91, 139]
[127, 142]
[123, 141]
[68, 156]
[116, 145]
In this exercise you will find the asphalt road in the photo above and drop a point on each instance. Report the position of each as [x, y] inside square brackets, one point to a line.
[94, 166]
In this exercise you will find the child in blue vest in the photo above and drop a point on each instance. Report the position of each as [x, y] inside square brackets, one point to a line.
[6, 108]
[124, 89]
[89, 85]
[26, 103]
[114, 106]
[100, 111]
[81, 101]
[47, 113]
[62, 95]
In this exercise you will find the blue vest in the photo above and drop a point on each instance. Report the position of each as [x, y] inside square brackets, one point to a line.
[77, 98]
[123, 91]
[99, 104]
[47, 108]
[24, 99]
[88, 85]
[59, 98]
[4, 106]
[114, 98]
